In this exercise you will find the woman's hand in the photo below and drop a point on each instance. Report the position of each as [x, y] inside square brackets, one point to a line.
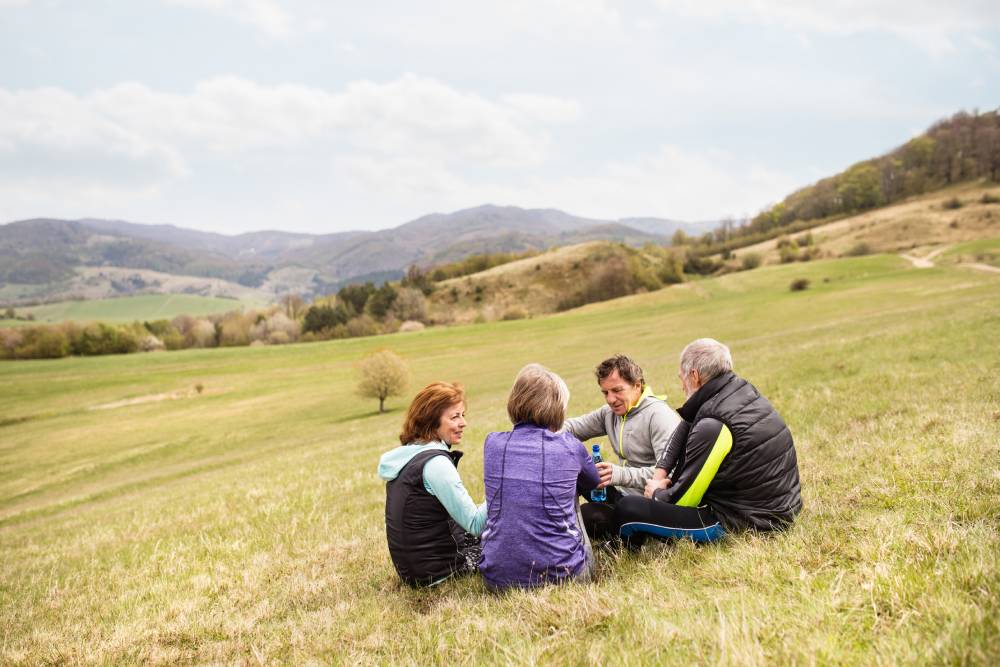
[604, 470]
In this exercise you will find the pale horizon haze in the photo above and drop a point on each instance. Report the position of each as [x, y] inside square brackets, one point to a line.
[241, 115]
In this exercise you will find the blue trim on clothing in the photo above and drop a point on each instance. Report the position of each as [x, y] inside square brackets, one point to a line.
[705, 534]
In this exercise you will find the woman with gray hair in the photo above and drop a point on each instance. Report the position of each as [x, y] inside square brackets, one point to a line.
[533, 534]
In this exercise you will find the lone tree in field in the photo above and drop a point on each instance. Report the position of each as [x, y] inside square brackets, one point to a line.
[383, 374]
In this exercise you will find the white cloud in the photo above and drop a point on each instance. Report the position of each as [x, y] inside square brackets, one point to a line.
[465, 24]
[267, 16]
[410, 115]
[926, 23]
[51, 134]
[405, 135]
[671, 182]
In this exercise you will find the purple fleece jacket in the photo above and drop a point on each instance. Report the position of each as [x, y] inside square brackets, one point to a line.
[531, 535]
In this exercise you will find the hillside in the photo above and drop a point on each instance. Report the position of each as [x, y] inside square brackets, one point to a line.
[125, 309]
[952, 215]
[556, 280]
[546, 283]
[47, 260]
[221, 506]
[962, 149]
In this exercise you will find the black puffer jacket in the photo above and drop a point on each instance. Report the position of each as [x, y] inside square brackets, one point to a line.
[734, 453]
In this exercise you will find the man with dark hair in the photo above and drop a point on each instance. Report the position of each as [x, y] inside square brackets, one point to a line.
[730, 465]
[638, 425]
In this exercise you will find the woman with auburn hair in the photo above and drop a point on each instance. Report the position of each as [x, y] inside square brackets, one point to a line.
[431, 523]
[533, 533]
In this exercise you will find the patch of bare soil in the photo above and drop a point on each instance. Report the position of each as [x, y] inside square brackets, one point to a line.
[151, 398]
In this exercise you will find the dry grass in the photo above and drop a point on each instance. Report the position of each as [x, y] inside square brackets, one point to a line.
[917, 225]
[245, 526]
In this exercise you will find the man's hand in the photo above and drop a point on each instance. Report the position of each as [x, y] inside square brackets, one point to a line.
[604, 470]
[654, 485]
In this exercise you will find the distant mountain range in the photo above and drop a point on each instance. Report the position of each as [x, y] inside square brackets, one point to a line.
[47, 259]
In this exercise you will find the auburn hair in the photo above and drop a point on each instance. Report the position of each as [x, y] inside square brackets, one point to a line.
[423, 417]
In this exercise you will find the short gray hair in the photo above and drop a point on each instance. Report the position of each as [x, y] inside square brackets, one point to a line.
[707, 356]
[539, 397]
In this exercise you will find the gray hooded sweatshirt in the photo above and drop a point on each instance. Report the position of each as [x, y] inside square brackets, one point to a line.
[639, 438]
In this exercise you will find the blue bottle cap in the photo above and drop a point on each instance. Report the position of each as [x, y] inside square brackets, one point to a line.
[596, 448]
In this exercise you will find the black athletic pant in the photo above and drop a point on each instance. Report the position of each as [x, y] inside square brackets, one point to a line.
[599, 518]
[636, 517]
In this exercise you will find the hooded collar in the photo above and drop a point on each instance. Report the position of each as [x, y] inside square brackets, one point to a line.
[640, 404]
[689, 410]
[393, 461]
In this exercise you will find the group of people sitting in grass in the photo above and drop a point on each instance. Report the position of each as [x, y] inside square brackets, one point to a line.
[724, 462]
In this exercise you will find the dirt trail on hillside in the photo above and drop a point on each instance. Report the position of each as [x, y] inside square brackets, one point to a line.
[982, 267]
[925, 261]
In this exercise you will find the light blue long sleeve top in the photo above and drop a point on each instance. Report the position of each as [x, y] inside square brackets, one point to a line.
[441, 480]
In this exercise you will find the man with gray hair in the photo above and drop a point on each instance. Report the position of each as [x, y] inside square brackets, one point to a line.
[730, 465]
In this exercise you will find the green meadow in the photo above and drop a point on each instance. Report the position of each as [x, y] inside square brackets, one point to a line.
[127, 309]
[221, 506]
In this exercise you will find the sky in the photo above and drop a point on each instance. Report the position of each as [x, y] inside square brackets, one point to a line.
[322, 116]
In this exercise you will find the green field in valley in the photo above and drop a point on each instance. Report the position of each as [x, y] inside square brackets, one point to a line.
[221, 506]
[126, 309]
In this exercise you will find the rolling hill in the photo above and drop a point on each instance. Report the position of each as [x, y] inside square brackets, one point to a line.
[47, 260]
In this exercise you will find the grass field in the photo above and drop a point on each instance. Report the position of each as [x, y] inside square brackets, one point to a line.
[127, 309]
[243, 523]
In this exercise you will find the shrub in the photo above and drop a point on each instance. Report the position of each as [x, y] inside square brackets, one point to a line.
[989, 198]
[42, 343]
[514, 314]
[200, 334]
[808, 253]
[278, 338]
[381, 301]
[859, 249]
[672, 270]
[99, 338]
[151, 343]
[10, 339]
[279, 322]
[751, 260]
[234, 330]
[363, 325]
[788, 250]
[697, 264]
[799, 285]
[411, 325]
[410, 304]
[173, 340]
[320, 317]
[356, 296]
[952, 204]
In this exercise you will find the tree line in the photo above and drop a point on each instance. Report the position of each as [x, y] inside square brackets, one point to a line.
[962, 148]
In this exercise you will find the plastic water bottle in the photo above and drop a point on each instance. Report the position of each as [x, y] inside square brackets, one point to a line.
[598, 495]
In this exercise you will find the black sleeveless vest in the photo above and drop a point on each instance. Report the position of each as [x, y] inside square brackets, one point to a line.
[421, 533]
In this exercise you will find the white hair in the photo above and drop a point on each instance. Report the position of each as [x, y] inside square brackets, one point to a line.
[707, 356]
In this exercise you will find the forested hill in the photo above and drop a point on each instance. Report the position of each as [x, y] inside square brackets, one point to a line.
[964, 147]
